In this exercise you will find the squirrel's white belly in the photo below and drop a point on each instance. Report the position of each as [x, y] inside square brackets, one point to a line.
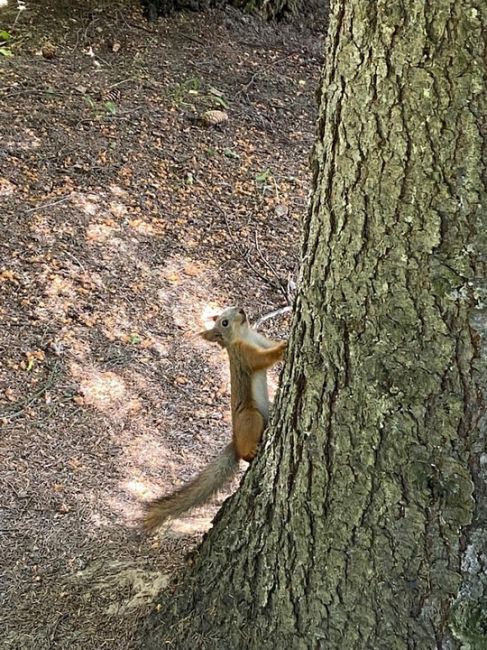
[260, 393]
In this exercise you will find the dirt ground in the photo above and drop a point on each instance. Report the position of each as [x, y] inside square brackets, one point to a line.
[124, 222]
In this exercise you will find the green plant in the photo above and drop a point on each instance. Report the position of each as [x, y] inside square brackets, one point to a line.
[5, 38]
[111, 108]
[188, 87]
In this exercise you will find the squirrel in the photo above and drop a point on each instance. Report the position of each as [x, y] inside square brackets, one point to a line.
[250, 355]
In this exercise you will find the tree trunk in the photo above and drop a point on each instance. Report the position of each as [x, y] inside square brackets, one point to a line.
[362, 523]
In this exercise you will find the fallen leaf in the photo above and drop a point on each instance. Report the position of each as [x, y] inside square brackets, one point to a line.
[192, 269]
[7, 275]
[10, 395]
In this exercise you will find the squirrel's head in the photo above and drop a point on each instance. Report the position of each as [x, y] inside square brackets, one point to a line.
[228, 327]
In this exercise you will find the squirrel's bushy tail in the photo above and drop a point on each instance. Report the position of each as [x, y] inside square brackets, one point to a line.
[194, 493]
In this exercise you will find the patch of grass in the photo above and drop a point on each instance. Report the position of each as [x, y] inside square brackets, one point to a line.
[179, 93]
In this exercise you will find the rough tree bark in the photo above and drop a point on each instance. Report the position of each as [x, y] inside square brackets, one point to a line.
[361, 524]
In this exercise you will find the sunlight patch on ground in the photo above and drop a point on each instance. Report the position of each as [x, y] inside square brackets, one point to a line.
[125, 584]
[184, 287]
[107, 222]
[101, 232]
[59, 295]
[41, 228]
[114, 220]
[104, 391]
[128, 513]
[60, 286]
[98, 520]
[142, 227]
[67, 340]
[143, 455]
[6, 187]
[25, 140]
[119, 210]
[152, 469]
[161, 348]
[188, 525]
[117, 325]
[151, 456]
[88, 203]
[119, 192]
[138, 489]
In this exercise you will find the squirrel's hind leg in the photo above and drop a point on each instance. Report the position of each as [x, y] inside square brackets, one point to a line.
[248, 429]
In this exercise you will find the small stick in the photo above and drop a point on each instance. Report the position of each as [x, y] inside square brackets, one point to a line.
[271, 269]
[240, 249]
[271, 314]
[48, 205]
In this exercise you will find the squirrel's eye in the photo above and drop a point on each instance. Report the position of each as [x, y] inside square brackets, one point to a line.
[224, 323]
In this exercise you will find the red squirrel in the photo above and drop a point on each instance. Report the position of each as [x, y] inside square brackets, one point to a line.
[250, 355]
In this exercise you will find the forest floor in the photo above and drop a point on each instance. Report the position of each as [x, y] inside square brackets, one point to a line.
[123, 224]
